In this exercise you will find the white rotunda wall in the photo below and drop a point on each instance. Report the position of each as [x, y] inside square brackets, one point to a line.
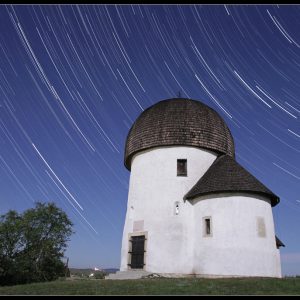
[154, 190]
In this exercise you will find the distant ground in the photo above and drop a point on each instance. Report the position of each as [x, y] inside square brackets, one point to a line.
[160, 286]
[88, 271]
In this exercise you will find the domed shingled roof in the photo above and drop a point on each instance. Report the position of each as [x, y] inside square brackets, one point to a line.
[178, 121]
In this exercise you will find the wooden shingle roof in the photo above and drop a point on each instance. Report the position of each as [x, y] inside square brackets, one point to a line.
[226, 175]
[178, 121]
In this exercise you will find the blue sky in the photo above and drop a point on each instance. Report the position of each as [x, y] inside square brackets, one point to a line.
[73, 78]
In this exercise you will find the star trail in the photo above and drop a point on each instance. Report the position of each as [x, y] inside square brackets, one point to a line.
[73, 78]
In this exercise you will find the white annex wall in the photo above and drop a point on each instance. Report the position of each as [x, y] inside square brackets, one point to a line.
[243, 237]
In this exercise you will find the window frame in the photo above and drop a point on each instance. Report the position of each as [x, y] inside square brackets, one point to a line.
[182, 171]
[205, 227]
[261, 227]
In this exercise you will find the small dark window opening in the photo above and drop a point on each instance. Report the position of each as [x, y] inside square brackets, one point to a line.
[207, 227]
[181, 167]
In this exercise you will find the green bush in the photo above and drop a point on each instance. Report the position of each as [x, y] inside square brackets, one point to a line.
[100, 275]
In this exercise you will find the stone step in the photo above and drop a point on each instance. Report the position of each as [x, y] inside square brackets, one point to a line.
[130, 274]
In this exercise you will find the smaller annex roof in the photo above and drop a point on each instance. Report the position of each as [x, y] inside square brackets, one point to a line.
[226, 175]
[279, 243]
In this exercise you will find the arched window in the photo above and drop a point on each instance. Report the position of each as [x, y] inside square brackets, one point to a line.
[176, 208]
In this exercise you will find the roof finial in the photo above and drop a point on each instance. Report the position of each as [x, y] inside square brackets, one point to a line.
[179, 94]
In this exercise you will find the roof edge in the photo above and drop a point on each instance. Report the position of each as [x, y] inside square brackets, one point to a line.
[279, 243]
[274, 200]
[128, 159]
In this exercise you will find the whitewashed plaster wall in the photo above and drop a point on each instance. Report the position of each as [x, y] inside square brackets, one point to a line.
[175, 243]
[153, 190]
[243, 238]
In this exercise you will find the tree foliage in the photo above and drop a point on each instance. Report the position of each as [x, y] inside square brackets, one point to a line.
[100, 275]
[33, 243]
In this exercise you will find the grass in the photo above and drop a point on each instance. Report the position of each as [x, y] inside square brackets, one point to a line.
[160, 286]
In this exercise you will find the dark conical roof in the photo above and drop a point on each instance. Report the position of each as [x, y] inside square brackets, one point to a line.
[226, 175]
[279, 243]
[178, 121]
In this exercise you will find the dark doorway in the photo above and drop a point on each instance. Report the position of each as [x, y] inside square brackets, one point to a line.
[137, 252]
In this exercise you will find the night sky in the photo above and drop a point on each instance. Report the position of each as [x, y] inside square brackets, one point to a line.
[73, 78]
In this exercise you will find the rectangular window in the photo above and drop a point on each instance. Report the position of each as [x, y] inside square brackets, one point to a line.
[207, 226]
[181, 167]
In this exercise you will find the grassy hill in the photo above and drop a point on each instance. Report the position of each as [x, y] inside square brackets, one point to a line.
[161, 286]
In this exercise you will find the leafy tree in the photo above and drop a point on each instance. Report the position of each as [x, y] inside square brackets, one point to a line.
[10, 245]
[32, 244]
